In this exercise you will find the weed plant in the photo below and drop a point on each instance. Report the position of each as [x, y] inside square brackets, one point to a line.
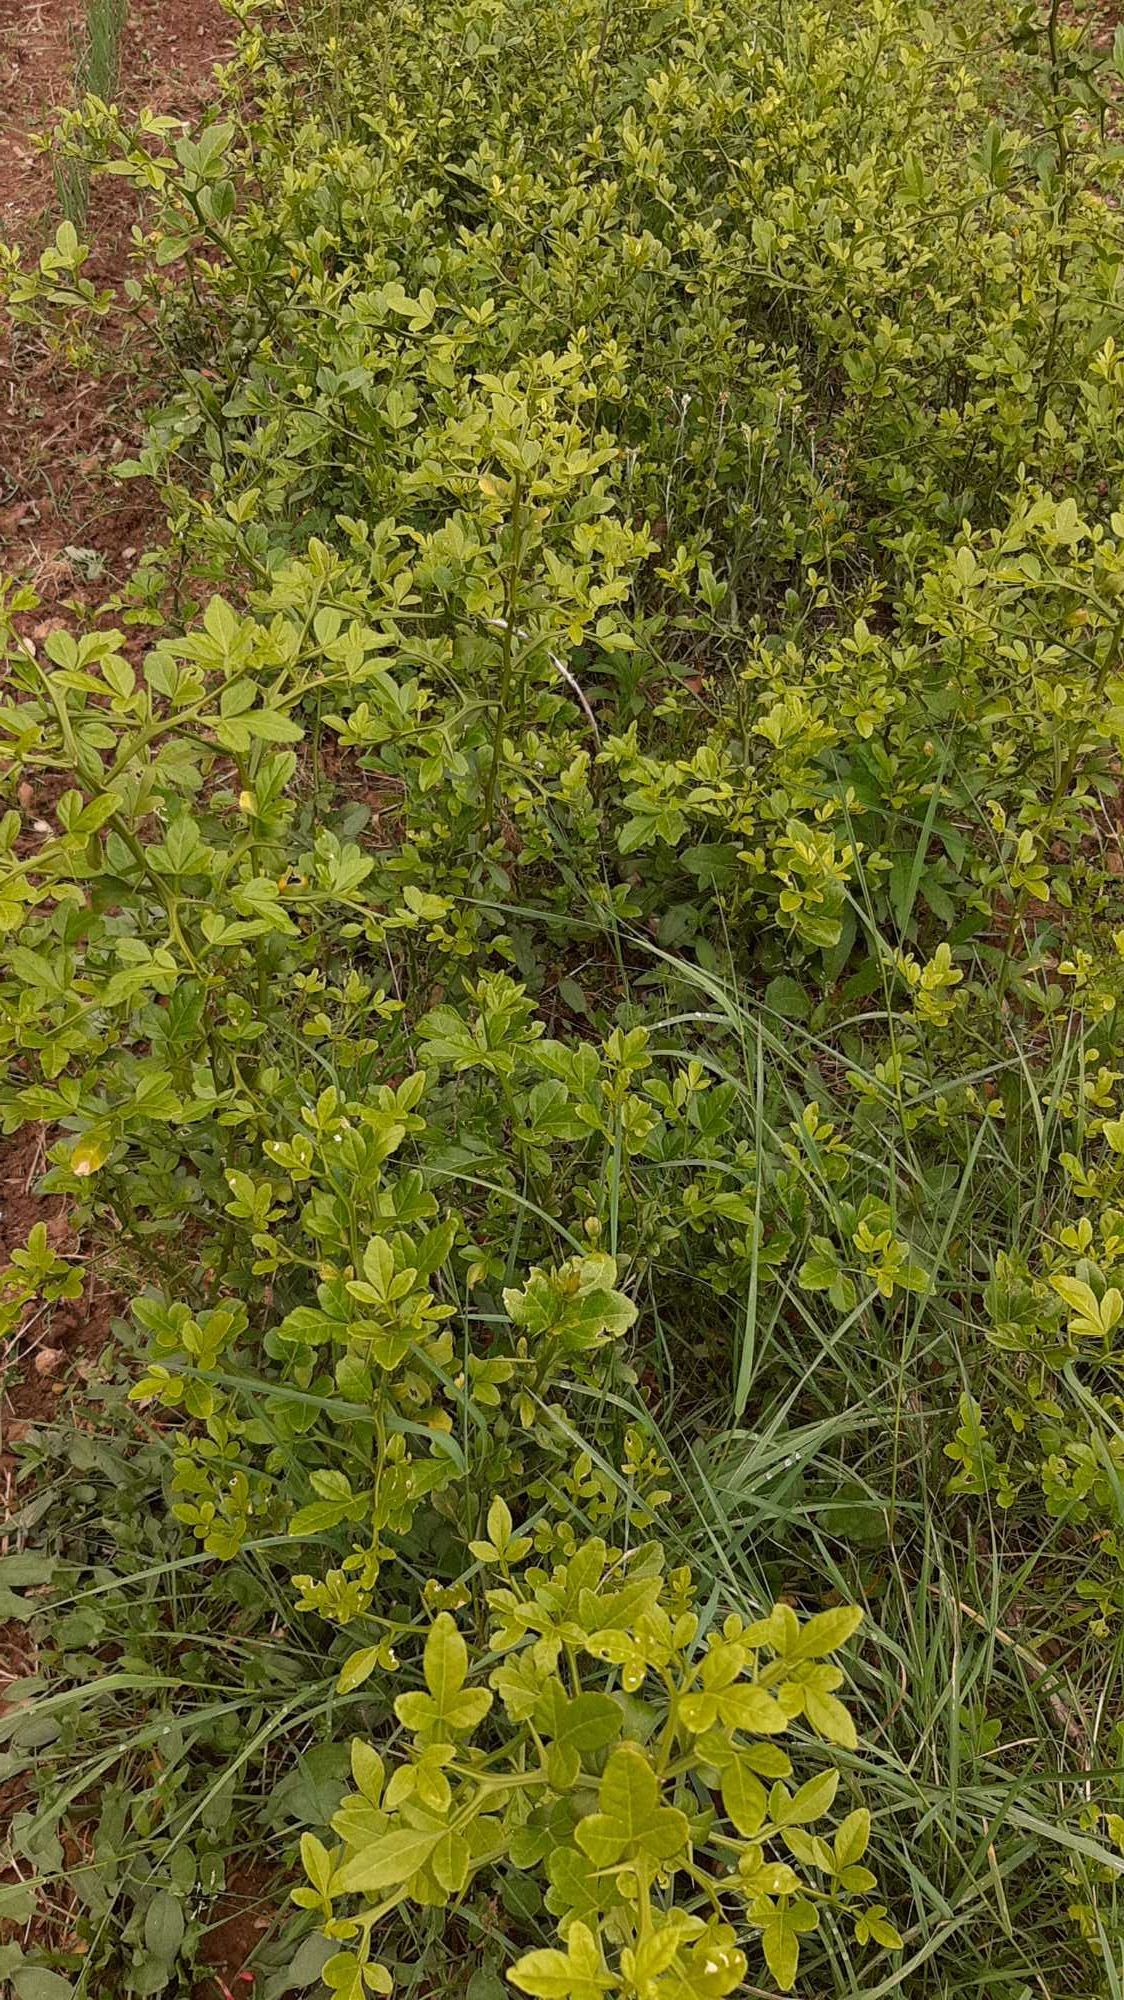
[96, 72]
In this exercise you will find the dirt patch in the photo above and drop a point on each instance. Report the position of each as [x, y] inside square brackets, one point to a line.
[36, 63]
[26, 1391]
[65, 525]
[239, 1921]
[38, 1363]
[21, 1164]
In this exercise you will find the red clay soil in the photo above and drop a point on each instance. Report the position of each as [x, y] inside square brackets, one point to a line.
[60, 432]
[238, 1923]
[53, 1344]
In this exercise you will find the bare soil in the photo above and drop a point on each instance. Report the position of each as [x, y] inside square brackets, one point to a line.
[60, 431]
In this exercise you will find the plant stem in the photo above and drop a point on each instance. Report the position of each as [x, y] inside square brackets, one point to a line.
[507, 647]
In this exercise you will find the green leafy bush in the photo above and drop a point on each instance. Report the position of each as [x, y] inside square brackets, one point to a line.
[601, 1793]
[570, 961]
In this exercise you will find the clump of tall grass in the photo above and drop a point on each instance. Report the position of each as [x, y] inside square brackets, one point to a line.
[96, 73]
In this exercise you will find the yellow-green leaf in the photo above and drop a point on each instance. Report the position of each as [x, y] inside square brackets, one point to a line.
[388, 1861]
[357, 1668]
